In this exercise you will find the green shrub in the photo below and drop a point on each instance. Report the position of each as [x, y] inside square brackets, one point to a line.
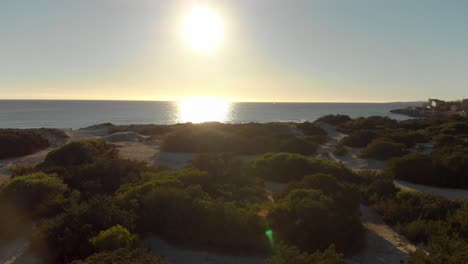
[358, 139]
[383, 149]
[35, 195]
[407, 137]
[79, 153]
[413, 167]
[420, 231]
[442, 249]
[298, 145]
[251, 138]
[334, 120]
[312, 129]
[380, 189]
[340, 150]
[67, 237]
[310, 220]
[114, 238]
[368, 123]
[164, 201]
[285, 167]
[18, 142]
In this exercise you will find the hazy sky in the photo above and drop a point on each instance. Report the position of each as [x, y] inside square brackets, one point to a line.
[296, 50]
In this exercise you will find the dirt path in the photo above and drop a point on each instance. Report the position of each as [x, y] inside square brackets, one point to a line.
[383, 244]
[351, 159]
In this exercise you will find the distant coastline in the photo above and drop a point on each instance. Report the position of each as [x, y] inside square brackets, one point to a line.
[435, 108]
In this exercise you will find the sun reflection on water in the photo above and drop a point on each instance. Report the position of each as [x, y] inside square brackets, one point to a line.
[201, 109]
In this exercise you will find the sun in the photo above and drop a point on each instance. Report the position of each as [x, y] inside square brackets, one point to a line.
[203, 29]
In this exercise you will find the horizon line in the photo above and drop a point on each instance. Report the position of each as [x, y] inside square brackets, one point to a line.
[234, 101]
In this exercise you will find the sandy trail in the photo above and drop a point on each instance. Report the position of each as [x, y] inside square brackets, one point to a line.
[382, 244]
[351, 159]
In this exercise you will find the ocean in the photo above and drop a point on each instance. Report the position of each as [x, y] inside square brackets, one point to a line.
[79, 114]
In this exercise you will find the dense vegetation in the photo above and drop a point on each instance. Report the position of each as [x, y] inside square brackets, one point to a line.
[383, 138]
[358, 139]
[316, 212]
[334, 120]
[447, 165]
[340, 150]
[251, 138]
[20, 142]
[439, 225]
[318, 208]
[383, 149]
[87, 205]
[286, 167]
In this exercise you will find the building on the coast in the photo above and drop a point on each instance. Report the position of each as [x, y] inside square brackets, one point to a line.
[436, 103]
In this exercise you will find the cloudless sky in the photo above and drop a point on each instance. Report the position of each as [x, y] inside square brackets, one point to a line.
[273, 50]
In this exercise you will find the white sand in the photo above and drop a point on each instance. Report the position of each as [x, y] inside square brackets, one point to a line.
[139, 151]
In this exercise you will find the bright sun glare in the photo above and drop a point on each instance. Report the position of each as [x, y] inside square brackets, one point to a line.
[203, 29]
[201, 109]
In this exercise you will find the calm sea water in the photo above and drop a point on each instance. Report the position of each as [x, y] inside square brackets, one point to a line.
[79, 114]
